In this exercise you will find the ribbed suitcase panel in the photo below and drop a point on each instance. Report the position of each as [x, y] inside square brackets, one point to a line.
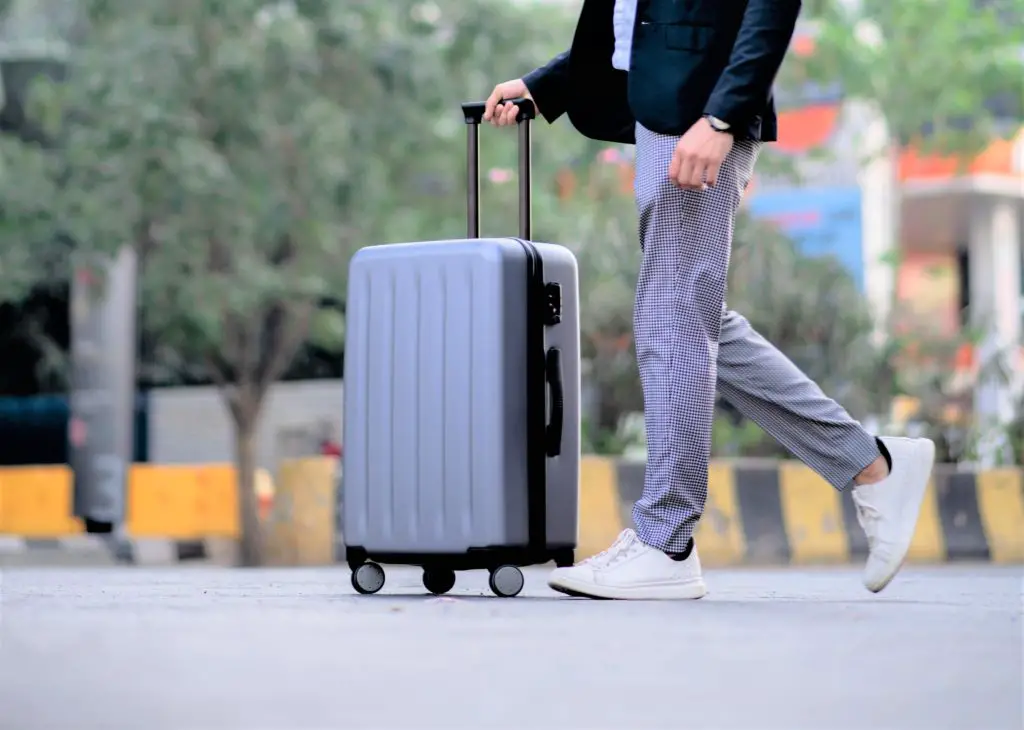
[426, 400]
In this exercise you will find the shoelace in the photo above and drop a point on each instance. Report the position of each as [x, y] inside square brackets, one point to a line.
[868, 516]
[619, 549]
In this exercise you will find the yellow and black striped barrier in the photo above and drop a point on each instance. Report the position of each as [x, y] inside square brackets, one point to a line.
[758, 512]
[779, 513]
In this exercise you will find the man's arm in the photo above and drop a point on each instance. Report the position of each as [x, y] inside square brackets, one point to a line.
[549, 86]
[761, 45]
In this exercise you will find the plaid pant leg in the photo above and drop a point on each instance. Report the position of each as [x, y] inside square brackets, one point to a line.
[769, 389]
[686, 238]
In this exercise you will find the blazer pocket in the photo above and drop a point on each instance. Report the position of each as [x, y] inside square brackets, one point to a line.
[688, 37]
[697, 12]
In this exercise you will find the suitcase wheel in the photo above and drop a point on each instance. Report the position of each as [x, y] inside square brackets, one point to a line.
[438, 580]
[506, 581]
[368, 578]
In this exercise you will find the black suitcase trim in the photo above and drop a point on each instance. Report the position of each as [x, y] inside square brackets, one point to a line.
[536, 551]
[536, 405]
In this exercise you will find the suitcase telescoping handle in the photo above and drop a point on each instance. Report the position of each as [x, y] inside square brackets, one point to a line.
[473, 112]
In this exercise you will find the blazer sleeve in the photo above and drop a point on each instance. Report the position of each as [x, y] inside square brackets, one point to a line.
[743, 88]
[549, 86]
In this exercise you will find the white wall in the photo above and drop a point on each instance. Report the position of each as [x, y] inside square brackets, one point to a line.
[192, 425]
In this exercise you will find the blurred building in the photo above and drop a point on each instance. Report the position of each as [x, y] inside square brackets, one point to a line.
[944, 238]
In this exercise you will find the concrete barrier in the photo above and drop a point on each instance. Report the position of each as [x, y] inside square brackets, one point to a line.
[301, 525]
[175, 513]
[758, 512]
[185, 502]
[182, 502]
[778, 513]
[36, 502]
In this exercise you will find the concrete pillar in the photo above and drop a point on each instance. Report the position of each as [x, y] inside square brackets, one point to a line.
[880, 210]
[995, 301]
[104, 349]
[1006, 256]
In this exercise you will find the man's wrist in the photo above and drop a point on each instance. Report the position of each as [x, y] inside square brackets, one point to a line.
[719, 125]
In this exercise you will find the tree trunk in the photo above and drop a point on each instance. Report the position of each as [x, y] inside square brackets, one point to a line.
[251, 544]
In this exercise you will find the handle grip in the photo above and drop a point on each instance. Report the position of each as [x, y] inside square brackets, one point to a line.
[553, 376]
[473, 113]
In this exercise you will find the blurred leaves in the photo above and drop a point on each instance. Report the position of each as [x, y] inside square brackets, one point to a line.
[931, 68]
[247, 149]
[31, 252]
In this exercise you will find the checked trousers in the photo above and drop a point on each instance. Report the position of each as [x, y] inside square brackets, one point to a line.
[688, 344]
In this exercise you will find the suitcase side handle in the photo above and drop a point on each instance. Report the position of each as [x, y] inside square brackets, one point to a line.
[553, 376]
[473, 113]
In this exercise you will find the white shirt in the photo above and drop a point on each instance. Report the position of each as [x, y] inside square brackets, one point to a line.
[624, 18]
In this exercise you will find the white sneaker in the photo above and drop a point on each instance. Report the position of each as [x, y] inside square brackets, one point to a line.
[631, 569]
[888, 510]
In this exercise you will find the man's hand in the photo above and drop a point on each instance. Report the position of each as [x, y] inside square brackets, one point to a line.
[502, 115]
[698, 156]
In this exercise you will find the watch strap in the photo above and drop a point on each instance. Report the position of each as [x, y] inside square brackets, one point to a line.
[717, 124]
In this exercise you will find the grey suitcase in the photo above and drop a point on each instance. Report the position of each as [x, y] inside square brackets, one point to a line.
[462, 400]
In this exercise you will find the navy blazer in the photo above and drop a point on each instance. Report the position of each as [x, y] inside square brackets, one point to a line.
[689, 58]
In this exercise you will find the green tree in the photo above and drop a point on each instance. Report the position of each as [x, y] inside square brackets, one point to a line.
[34, 258]
[197, 133]
[608, 252]
[31, 254]
[246, 149]
[403, 73]
[900, 58]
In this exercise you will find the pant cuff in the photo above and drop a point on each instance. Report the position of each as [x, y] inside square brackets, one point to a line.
[857, 456]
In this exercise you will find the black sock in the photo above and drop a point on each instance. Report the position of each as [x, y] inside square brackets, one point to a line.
[679, 557]
[885, 453]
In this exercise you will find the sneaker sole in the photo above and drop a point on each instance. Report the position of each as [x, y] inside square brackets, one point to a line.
[680, 592]
[901, 554]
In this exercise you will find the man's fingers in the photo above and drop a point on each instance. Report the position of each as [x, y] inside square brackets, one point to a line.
[697, 174]
[511, 112]
[673, 167]
[712, 174]
[686, 172]
[491, 103]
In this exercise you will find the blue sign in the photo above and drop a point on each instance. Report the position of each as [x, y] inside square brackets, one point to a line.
[822, 221]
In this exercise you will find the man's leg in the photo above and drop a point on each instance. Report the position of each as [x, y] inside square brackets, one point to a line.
[687, 240]
[770, 390]
[686, 237]
[683, 335]
[766, 387]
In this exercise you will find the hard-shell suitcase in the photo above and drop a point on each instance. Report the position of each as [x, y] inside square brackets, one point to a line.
[462, 400]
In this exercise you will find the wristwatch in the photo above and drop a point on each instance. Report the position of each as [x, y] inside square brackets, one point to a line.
[717, 124]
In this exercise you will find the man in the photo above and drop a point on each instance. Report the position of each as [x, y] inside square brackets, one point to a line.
[689, 82]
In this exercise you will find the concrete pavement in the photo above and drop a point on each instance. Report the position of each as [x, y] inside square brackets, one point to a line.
[216, 649]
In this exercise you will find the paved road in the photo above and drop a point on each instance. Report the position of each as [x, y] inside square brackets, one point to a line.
[211, 649]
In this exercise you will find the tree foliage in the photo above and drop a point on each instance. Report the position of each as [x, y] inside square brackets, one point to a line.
[30, 253]
[943, 74]
[246, 149]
